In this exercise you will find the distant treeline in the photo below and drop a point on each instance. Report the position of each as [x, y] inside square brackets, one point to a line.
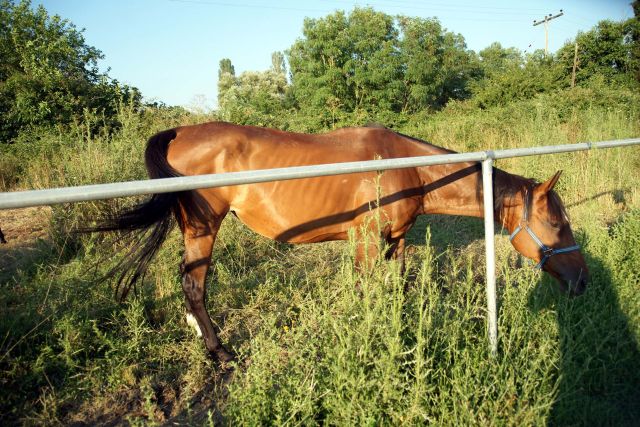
[367, 65]
[347, 68]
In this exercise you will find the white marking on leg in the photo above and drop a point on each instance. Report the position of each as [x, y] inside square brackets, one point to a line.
[191, 321]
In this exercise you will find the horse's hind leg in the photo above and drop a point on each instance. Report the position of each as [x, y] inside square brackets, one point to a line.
[198, 244]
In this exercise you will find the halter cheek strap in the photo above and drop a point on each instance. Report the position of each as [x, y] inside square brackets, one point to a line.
[547, 251]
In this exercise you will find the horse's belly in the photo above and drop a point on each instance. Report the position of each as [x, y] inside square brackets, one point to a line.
[304, 232]
[301, 211]
[324, 208]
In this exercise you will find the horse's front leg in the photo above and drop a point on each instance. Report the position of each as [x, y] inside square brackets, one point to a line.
[198, 248]
[396, 251]
[367, 250]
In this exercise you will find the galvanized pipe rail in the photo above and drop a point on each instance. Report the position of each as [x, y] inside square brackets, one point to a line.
[83, 193]
[22, 199]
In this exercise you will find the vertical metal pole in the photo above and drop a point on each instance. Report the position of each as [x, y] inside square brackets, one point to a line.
[489, 236]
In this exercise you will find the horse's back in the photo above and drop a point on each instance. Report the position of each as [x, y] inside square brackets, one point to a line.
[219, 147]
[300, 210]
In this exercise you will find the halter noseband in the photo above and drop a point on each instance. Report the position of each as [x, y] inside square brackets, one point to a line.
[546, 250]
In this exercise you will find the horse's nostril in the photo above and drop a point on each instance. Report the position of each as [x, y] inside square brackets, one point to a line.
[579, 287]
[583, 284]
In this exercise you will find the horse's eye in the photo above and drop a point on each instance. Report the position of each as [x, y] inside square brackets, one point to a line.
[555, 224]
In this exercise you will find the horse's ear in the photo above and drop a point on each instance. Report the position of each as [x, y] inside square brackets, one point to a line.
[547, 186]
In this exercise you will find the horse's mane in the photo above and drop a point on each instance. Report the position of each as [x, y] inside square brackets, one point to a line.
[506, 186]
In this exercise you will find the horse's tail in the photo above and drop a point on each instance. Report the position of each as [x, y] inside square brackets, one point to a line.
[147, 224]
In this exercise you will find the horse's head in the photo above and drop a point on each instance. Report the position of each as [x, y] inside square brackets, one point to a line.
[541, 231]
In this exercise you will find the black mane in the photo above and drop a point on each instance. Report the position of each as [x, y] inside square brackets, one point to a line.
[506, 186]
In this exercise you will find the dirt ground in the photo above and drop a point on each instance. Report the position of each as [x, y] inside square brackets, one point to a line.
[23, 229]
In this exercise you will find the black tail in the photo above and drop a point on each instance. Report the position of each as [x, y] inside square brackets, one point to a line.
[147, 224]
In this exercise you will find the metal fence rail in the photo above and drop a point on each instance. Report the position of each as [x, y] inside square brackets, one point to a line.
[22, 199]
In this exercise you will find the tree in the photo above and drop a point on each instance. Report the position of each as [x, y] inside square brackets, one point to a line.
[318, 63]
[635, 37]
[373, 69]
[515, 78]
[372, 65]
[347, 64]
[607, 51]
[494, 59]
[254, 97]
[437, 64]
[48, 74]
[277, 63]
[226, 80]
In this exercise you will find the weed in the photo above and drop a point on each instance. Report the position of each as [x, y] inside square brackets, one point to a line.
[407, 349]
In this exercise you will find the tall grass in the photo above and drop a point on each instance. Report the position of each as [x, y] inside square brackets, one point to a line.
[313, 349]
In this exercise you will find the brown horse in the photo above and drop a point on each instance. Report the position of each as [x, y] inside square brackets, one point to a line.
[326, 208]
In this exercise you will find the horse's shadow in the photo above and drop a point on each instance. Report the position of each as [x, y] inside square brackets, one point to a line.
[446, 231]
[599, 361]
[599, 366]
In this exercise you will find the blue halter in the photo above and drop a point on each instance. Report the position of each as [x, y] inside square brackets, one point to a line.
[546, 250]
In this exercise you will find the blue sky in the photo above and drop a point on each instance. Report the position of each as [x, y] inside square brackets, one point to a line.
[170, 49]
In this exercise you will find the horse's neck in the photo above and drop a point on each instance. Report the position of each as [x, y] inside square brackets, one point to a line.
[456, 189]
[453, 189]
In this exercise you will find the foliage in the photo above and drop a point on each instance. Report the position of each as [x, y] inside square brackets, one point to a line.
[437, 65]
[253, 98]
[510, 77]
[635, 37]
[605, 51]
[495, 59]
[407, 349]
[348, 69]
[369, 64]
[49, 76]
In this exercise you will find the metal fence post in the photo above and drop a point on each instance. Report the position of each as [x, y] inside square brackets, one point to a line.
[489, 237]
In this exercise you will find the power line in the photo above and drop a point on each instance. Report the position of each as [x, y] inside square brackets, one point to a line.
[439, 7]
[249, 6]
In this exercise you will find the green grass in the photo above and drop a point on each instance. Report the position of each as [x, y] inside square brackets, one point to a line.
[314, 350]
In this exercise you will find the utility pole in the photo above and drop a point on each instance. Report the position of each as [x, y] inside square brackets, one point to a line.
[545, 21]
[575, 66]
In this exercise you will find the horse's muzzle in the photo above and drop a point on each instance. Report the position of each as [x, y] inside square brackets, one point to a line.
[576, 286]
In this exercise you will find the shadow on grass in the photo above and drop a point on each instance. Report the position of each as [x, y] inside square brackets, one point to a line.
[446, 230]
[22, 258]
[598, 370]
